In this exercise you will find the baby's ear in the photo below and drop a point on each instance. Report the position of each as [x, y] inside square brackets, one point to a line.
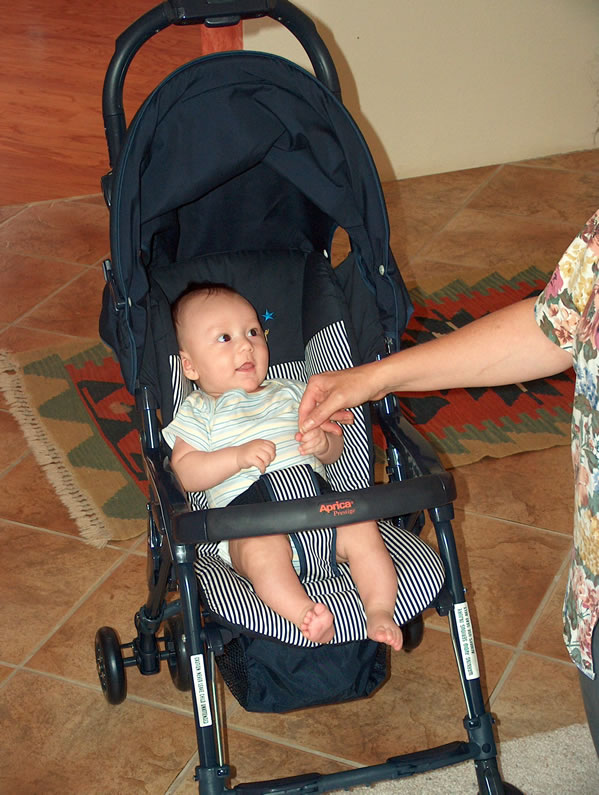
[189, 370]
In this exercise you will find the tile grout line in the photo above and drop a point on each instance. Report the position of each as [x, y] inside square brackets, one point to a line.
[14, 464]
[53, 294]
[76, 537]
[22, 208]
[428, 243]
[46, 258]
[131, 697]
[69, 613]
[183, 776]
[546, 167]
[519, 650]
[67, 337]
[80, 197]
[543, 603]
[501, 519]
[500, 644]
[261, 735]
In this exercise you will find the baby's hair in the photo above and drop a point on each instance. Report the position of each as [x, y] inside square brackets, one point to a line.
[192, 291]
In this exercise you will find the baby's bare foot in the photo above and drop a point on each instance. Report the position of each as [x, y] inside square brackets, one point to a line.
[316, 623]
[381, 627]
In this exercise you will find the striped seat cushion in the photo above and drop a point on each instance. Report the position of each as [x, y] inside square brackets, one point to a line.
[231, 598]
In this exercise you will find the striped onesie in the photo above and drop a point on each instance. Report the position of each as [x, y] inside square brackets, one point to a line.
[236, 417]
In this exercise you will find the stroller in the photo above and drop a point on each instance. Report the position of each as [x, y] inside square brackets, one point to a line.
[238, 168]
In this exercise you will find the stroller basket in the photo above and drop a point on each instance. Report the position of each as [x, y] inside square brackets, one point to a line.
[238, 168]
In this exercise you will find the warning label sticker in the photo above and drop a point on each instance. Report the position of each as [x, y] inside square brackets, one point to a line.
[466, 637]
[201, 691]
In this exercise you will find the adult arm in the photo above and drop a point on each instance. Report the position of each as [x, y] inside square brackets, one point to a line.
[504, 347]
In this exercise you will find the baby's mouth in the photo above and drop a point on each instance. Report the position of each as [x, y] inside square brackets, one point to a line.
[246, 367]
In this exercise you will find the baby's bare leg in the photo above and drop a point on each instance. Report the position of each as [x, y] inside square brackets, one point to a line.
[266, 562]
[373, 572]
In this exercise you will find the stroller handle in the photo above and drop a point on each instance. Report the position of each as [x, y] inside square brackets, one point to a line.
[212, 13]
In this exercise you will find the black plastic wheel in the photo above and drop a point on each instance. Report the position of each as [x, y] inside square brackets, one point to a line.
[109, 662]
[412, 633]
[178, 659]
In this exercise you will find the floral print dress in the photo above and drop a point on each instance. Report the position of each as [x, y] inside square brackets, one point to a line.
[567, 311]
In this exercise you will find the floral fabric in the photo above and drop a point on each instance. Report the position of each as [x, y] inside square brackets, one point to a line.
[567, 311]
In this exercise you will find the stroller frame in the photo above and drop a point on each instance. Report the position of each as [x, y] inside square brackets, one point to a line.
[190, 645]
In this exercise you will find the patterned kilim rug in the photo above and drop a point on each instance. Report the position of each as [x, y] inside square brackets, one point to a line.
[79, 418]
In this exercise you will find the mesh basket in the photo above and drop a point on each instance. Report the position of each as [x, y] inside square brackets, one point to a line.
[268, 676]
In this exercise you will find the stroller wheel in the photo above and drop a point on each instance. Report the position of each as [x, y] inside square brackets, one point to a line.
[109, 662]
[178, 659]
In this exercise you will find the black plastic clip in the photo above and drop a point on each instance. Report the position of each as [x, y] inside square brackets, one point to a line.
[118, 302]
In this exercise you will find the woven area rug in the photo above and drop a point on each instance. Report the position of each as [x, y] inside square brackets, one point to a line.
[79, 419]
[465, 425]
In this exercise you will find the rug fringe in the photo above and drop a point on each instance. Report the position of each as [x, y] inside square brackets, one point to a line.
[81, 508]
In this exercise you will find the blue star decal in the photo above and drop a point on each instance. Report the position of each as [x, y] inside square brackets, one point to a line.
[268, 315]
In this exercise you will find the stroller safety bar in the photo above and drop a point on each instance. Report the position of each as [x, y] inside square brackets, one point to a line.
[328, 510]
[213, 14]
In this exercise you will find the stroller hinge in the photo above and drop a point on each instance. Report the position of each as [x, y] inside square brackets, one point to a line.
[480, 733]
[118, 302]
[211, 780]
[217, 13]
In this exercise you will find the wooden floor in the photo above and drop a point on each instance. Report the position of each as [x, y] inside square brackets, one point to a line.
[53, 58]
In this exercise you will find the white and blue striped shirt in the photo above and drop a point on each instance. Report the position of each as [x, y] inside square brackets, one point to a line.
[210, 424]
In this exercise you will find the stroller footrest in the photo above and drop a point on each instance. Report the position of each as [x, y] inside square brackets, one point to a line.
[305, 783]
[395, 767]
[431, 758]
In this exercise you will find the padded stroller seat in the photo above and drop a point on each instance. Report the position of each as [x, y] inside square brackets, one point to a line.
[310, 327]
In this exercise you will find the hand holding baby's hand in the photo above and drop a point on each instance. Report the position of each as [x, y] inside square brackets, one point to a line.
[258, 453]
[314, 442]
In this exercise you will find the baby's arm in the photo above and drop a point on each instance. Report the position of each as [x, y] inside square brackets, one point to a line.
[327, 447]
[199, 470]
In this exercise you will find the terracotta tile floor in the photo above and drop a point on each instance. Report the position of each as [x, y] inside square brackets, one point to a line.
[512, 528]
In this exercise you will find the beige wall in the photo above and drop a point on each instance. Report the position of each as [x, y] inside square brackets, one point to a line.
[438, 85]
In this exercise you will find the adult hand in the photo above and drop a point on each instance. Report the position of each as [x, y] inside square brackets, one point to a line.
[328, 396]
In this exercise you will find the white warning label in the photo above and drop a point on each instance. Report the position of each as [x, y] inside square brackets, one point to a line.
[466, 637]
[201, 691]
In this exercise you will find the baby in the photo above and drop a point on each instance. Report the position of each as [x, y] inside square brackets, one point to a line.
[236, 425]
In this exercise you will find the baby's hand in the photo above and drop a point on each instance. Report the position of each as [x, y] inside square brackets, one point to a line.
[314, 442]
[259, 453]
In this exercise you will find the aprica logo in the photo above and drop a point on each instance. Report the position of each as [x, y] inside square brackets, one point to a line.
[336, 507]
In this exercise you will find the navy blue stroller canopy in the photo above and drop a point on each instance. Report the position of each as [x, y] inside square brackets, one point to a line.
[240, 151]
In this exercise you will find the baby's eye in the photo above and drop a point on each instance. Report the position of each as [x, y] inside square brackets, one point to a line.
[224, 338]
[254, 332]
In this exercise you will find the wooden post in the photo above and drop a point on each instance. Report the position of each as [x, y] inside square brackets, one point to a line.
[221, 39]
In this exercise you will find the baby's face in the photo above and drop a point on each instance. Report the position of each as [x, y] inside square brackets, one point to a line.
[223, 345]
